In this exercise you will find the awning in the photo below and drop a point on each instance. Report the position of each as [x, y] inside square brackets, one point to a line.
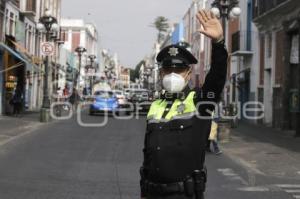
[22, 57]
[14, 53]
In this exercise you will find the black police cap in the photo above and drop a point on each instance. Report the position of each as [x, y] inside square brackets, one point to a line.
[175, 56]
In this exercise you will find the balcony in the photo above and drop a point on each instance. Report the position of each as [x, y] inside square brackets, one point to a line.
[241, 43]
[265, 7]
[16, 3]
[30, 8]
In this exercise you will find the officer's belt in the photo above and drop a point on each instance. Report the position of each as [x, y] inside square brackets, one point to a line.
[165, 189]
[190, 186]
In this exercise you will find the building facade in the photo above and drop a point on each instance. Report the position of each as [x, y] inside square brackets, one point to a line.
[76, 33]
[278, 24]
[125, 77]
[242, 42]
[196, 41]
[20, 55]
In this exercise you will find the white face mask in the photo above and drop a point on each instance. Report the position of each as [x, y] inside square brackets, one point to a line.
[174, 83]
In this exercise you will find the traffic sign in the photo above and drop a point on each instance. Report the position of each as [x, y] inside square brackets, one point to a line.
[47, 48]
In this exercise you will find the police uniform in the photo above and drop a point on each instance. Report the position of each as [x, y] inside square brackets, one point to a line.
[175, 140]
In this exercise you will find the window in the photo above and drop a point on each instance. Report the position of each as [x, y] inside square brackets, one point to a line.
[29, 38]
[269, 50]
[75, 40]
[26, 35]
[31, 5]
[279, 64]
[294, 57]
[262, 60]
[11, 24]
[64, 35]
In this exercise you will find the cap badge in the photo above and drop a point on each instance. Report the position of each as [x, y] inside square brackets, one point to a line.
[173, 51]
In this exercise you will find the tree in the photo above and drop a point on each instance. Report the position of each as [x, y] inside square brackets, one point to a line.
[134, 73]
[162, 25]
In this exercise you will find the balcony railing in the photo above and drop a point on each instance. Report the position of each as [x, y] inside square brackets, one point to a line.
[242, 41]
[264, 6]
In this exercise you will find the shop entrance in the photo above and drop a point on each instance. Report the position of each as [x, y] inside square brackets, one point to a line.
[13, 75]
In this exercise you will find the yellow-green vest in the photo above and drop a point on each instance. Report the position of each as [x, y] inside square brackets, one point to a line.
[158, 108]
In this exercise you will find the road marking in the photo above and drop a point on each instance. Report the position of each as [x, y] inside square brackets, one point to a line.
[288, 185]
[254, 189]
[231, 175]
[292, 189]
[246, 187]
[249, 166]
[10, 139]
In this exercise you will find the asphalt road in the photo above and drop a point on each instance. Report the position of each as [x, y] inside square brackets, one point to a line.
[64, 160]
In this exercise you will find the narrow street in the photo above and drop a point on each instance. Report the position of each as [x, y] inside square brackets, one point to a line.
[65, 160]
[235, 62]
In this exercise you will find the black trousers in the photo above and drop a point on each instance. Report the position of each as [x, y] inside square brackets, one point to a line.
[181, 196]
[17, 108]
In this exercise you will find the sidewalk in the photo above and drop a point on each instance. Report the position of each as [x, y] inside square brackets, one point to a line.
[11, 127]
[265, 151]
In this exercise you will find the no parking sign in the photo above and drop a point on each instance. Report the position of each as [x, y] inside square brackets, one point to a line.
[47, 48]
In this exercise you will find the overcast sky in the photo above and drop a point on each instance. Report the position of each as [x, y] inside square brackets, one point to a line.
[124, 25]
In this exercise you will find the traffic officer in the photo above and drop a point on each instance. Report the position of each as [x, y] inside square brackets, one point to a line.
[178, 123]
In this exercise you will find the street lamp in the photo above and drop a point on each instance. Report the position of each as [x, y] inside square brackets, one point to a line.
[226, 9]
[79, 50]
[49, 24]
[92, 60]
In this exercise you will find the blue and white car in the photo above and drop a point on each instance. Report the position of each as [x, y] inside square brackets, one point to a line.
[104, 101]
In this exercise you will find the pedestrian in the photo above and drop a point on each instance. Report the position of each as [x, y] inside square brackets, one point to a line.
[214, 136]
[17, 101]
[58, 98]
[66, 97]
[74, 99]
[178, 124]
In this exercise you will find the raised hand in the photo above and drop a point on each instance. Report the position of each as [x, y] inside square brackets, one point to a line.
[212, 27]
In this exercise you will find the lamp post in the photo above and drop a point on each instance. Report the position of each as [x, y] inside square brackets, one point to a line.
[92, 60]
[226, 9]
[49, 24]
[79, 50]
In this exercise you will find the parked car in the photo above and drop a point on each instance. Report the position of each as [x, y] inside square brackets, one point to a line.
[127, 93]
[123, 101]
[141, 99]
[104, 101]
[121, 97]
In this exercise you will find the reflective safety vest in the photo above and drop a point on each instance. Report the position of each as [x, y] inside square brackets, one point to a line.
[179, 109]
[175, 140]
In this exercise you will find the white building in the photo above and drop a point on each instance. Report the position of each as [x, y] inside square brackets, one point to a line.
[244, 58]
[77, 33]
